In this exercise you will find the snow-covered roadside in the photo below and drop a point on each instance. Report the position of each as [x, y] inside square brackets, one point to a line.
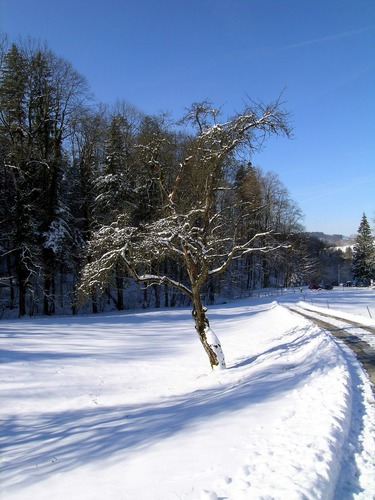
[343, 306]
[355, 304]
[125, 407]
[345, 321]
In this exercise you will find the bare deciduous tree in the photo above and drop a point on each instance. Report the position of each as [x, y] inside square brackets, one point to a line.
[198, 224]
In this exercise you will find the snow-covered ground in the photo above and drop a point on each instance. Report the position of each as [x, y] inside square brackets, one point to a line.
[125, 406]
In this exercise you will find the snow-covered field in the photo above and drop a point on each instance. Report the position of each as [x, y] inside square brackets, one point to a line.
[125, 406]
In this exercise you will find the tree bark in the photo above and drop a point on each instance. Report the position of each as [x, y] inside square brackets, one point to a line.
[22, 279]
[208, 339]
[120, 290]
[49, 282]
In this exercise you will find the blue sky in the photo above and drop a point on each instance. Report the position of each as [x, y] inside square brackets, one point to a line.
[162, 55]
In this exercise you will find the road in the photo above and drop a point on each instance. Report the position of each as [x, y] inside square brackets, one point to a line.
[350, 332]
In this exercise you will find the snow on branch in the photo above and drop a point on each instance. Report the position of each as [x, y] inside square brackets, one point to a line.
[250, 127]
[239, 251]
[158, 280]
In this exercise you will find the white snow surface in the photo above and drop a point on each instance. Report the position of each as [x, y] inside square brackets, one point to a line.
[125, 406]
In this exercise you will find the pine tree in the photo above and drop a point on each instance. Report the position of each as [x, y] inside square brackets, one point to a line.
[363, 261]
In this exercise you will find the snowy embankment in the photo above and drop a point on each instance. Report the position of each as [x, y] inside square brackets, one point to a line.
[125, 406]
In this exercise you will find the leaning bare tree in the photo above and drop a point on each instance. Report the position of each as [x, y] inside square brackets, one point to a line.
[197, 221]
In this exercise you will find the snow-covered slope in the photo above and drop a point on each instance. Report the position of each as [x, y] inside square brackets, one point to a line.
[125, 406]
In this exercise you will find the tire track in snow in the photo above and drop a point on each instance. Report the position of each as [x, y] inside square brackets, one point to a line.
[364, 352]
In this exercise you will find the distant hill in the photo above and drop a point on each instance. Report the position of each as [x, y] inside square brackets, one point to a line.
[333, 239]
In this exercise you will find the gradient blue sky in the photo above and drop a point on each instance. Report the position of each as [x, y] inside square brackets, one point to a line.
[166, 54]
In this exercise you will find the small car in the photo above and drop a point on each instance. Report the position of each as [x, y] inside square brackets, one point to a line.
[315, 287]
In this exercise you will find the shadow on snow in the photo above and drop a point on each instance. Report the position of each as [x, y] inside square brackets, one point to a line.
[46, 443]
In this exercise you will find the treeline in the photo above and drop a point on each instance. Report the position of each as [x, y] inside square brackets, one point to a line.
[70, 167]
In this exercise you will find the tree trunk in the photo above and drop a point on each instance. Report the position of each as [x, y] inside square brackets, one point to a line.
[120, 290]
[166, 296]
[22, 282]
[207, 337]
[11, 282]
[94, 302]
[22, 278]
[157, 296]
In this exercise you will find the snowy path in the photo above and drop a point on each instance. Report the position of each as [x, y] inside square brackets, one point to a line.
[125, 407]
[360, 338]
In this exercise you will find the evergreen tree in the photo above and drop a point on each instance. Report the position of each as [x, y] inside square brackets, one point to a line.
[363, 261]
[40, 100]
[17, 193]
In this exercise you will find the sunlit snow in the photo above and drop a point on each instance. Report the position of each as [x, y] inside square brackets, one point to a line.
[125, 406]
